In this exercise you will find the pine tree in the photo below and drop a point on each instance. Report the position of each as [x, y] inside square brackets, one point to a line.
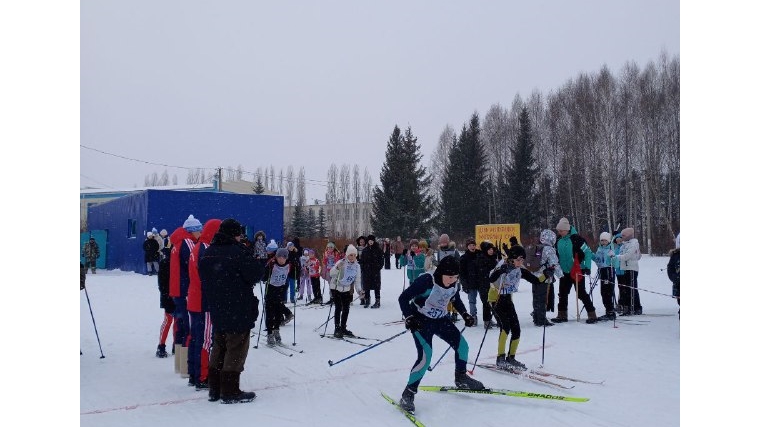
[311, 224]
[518, 188]
[259, 187]
[401, 204]
[321, 223]
[464, 192]
[299, 226]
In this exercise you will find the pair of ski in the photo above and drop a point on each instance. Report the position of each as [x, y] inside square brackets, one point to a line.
[285, 349]
[351, 339]
[495, 392]
[537, 376]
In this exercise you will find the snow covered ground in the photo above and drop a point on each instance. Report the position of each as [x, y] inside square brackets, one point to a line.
[639, 364]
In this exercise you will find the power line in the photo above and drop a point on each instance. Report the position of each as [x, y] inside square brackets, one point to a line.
[255, 174]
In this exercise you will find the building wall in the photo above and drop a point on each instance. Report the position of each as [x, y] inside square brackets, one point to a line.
[168, 210]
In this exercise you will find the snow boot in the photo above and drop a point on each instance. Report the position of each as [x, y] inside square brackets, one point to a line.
[338, 332]
[271, 340]
[277, 336]
[561, 317]
[376, 304]
[230, 389]
[213, 384]
[591, 317]
[161, 351]
[609, 316]
[515, 364]
[201, 385]
[346, 332]
[407, 401]
[638, 311]
[462, 380]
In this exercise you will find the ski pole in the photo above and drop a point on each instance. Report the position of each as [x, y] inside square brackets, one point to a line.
[591, 289]
[577, 304]
[331, 363]
[543, 345]
[295, 305]
[329, 310]
[263, 312]
[322, 324]
[444, 354]
[93, 323]
[478, 355]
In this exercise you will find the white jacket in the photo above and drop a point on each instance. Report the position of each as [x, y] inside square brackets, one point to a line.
[629, 255]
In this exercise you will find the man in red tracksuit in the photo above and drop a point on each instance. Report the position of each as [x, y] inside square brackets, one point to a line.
[183, 240]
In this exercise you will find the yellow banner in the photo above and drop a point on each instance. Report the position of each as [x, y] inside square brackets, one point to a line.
[497, 233]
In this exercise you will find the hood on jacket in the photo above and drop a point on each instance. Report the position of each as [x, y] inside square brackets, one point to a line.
[260, 233]
[548, 237]
[485, 245]
[209, 229]
[179, 235]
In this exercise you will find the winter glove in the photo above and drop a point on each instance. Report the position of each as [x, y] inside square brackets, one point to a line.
[586, 271]
[413, 323]
[548, 274]
[469, 321]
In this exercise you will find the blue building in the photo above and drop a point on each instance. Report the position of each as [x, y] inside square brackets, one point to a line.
[122, 223]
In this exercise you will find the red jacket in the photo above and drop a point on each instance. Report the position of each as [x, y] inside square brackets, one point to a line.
[194, 300]
[183, 243]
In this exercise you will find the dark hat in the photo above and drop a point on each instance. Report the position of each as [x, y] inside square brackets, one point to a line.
[281, 253]
[469, 241]
[513, 241]
[231, 227]
[448, 266]
[516, 252]
[371, 237]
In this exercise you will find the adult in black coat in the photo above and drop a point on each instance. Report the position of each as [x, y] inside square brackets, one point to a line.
[485, 261]
[152, 254]
[228, 273]
[371, 264]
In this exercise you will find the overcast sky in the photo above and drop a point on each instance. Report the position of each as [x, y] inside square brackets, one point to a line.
[208, 84]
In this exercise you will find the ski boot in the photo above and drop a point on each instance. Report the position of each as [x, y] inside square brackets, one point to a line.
[346, 332]
[462, 380]
[277, 336]
[271, 340]
[376, 304]
[515, 364]
[338, 332]
[407, 401]
[501, 361]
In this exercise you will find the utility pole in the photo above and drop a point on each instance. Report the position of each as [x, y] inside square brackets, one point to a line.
[219, 179]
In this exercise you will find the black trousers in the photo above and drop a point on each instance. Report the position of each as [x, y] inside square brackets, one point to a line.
[565, 284]
[342, 302]
[483, 292]
[607, 285]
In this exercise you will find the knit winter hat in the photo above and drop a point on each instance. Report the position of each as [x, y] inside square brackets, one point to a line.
[515, 252]
[443, 240]
[192, 225]
[448, 266]
[150, 234]
[231, 227]
[154, 231]
[563, 224]
[605, 236]
[281, 253]
[371, 237]
[271, 246]
[470, 241]
[331, 245]
[289, 244]
[352, 250]
[163, 232]
[627, 233]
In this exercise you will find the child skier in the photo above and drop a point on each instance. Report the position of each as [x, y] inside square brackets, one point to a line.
[423, 305]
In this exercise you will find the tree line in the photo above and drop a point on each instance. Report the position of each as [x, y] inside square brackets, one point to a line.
[602, 150]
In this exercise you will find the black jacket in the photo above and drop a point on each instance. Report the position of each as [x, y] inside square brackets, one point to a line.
[468, 270]
[151, 248]
[228, 273]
